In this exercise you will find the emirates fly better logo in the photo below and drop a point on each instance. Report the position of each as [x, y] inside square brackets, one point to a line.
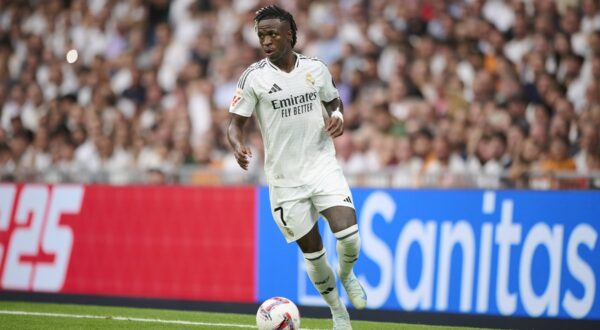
[35, 248]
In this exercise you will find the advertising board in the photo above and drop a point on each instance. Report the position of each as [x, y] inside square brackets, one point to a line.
[136, 241]
[509, 253]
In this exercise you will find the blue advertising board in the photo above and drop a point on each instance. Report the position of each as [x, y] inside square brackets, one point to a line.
[511, 253]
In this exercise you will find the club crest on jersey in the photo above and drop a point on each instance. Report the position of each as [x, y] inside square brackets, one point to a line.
[236, 98]
[289, 231]
[310, 79]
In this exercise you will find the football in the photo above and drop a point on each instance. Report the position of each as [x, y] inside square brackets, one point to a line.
[278, 313]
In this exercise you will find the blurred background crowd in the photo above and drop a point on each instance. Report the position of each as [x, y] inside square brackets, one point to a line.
[442, 93]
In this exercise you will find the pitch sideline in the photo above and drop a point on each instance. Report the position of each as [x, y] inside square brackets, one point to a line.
[125, 318]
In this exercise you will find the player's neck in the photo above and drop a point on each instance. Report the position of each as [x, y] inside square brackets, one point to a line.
[286, 63]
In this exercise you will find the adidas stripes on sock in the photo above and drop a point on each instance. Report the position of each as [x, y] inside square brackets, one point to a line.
[321, 274]
[348, 249]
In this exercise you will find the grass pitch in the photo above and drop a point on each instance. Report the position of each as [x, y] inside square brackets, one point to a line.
[26, 315]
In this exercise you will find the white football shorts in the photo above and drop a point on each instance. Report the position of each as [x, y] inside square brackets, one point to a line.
[296, 209]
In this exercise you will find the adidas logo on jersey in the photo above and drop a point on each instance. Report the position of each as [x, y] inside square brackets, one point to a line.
[348, 200]
[274, 89]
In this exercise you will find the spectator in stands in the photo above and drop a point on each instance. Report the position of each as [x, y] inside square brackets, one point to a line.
[34, 108]
[442, 168]
[380, 152]
[156, 176]
[65, 165]
[588, 157]
[13, 106]
[557, 157]
[485, 162]
[407, 167]
[384, 121]
[113, 163]
[351, 161]
[422, 145]
[525, 162]
[36, 157]
[20, 142]
[7, 164]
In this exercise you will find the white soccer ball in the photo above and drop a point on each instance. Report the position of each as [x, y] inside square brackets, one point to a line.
[278, 313]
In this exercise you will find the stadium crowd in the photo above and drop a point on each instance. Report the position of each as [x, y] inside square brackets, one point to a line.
[441, 93]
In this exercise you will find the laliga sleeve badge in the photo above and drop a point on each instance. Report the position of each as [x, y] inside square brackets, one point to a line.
[237, 97]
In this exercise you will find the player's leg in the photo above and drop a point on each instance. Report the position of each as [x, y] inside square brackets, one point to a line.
[333, 198]
[297, 218]
[318, 269]
[342, 221]
[321, 275]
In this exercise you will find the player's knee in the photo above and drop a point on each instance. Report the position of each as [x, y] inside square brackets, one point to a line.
[310, 247]
[310, 243]
[340, 218]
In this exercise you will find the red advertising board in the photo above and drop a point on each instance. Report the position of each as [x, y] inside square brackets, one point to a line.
[139, 241]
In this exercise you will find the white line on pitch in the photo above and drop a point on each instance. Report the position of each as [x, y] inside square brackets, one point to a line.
[125, 318]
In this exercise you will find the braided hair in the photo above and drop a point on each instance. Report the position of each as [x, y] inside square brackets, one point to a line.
[275, 12]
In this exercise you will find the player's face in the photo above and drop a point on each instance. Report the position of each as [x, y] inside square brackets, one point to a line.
[275, 38]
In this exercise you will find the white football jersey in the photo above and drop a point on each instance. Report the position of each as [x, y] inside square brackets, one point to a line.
[288, 107]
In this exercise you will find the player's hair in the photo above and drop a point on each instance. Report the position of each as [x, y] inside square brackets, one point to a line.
[275, 12]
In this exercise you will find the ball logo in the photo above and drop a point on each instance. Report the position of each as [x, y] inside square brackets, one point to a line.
[35, 248]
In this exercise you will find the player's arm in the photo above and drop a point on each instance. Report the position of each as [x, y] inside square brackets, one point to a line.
[235, 135]
[334, 125]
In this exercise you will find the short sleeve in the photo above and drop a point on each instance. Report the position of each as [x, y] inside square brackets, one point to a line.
[244, 100]
[328, 91]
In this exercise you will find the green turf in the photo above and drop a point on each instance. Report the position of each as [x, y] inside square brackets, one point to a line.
[109, 314]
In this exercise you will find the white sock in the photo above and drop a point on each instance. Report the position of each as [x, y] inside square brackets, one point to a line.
[321, 274]
[348, 249]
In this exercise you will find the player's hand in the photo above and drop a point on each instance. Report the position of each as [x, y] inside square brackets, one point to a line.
[242, 155]
[334, 126]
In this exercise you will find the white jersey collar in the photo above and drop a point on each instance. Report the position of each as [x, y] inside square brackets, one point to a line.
[275, 67]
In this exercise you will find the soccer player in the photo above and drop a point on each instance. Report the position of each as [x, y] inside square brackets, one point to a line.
[289, 91]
